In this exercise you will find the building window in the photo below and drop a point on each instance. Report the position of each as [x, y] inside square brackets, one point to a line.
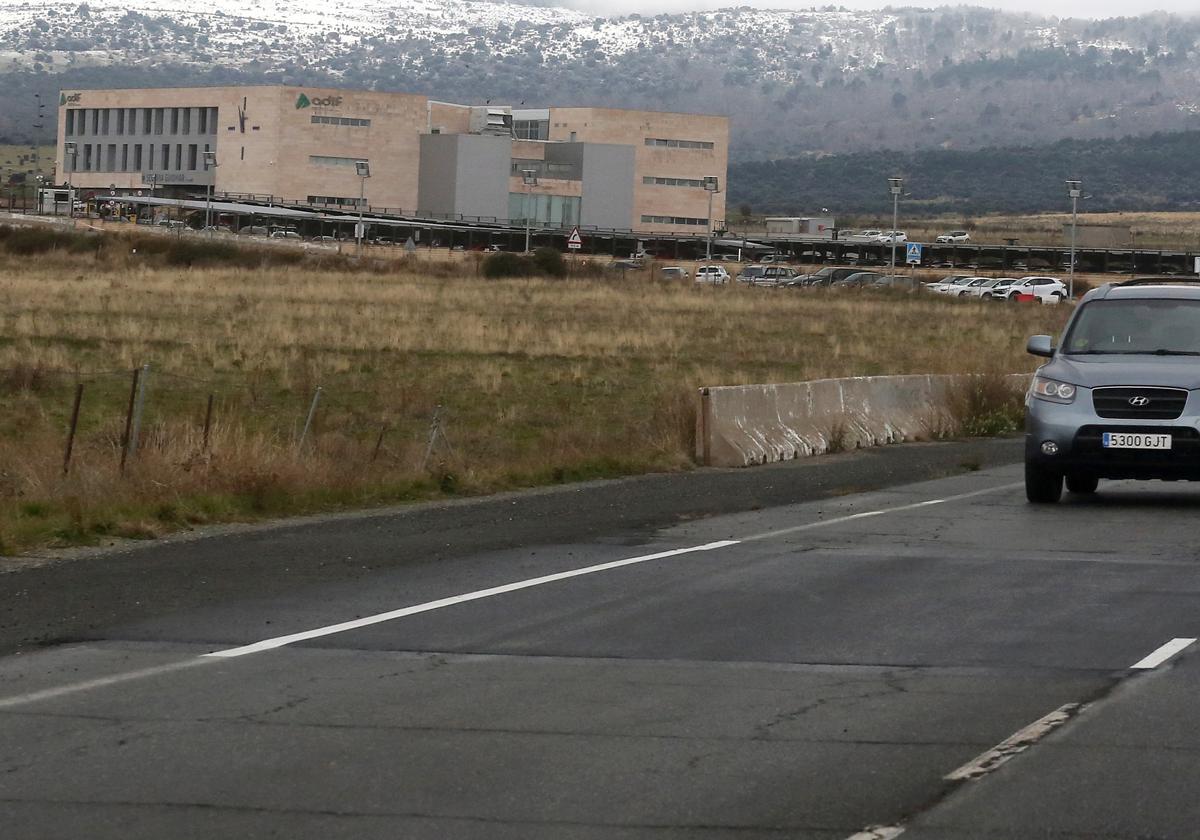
[137, 157]
[672, 182]
[104, 112]
[330, 160]
[120, 121]
[202, 121]
[192, 155]
[110, 160]
[87, 157]
[158, 120]
[678, 144]
[70, 129]
[164, 161]
[355, 121]
[541, 209]
[124, 157]
[531, 129]
[672, 220]
[187, 120]
[179, 156]
[545, 169]
[332, 200]
[95, 120]
[175, 120]
[212, 120]
[131, 121]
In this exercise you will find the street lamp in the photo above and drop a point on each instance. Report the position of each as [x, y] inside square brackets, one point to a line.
[1073, 190]
[210, 162]
[711, 186]
[896, 185]
[363, 169]
[529, 179]
[70, 150]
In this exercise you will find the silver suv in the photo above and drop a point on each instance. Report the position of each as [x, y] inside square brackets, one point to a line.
[1121, 397]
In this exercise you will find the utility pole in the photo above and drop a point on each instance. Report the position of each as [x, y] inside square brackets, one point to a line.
[70, 150]
[1073, 190]
[711, 186]
[363, 168]
[210, 163]
[896, 185]
[529, 178]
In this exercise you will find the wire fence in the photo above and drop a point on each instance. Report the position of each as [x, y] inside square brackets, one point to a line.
[124, 411]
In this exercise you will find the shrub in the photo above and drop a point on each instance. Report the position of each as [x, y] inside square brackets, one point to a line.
[549, 261]
[506, 264]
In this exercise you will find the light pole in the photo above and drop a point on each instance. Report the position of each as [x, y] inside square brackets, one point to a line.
[363, 168]
[711, 186]
[895, 185]
[1073, 190]
[70, 150]
[210, 162]
[529, 179]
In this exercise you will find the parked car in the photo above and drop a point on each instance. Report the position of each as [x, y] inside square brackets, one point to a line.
[714, 274]
[751, 273]
[776, 275]
[775, 259]
[727, 257]
[870, 235]
[824, 277]
[950, 284]
[894, 237]
[972, 288]
[1116, 398]
[857, 280]
[998, 289]
[285, 233]
[674, 272]
[953, 236]
[899, 282]
[1043, 289]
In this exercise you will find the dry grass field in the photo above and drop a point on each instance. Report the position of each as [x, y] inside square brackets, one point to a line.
[538, 380]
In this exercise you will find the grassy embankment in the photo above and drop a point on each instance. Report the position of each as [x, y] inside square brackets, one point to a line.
[540, 381]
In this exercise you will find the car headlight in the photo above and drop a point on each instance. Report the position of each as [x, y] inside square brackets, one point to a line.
[1052, 390]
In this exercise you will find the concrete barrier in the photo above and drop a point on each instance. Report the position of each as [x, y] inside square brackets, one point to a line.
[741, 425]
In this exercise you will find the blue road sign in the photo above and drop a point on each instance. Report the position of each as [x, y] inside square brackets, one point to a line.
[913, 253]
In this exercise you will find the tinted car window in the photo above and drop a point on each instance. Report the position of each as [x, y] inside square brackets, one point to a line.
[1136, 326]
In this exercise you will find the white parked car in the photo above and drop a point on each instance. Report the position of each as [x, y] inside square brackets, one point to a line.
[715, 274]
[951, 284]
[1044, 289]
[954, 236]
[674, 272]
[973, 287]
[870, 235]
[893, 237]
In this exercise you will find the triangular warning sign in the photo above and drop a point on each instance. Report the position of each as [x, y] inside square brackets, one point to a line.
[574, 240]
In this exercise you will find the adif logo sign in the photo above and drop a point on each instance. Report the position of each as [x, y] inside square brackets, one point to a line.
[302, 101]
[71, 99]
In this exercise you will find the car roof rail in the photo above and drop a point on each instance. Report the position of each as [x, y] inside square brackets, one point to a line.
[1156, 281]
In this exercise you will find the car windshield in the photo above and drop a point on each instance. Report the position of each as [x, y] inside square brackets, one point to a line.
[1166, 327]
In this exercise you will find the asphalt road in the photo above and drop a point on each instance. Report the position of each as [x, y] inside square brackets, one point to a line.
[849, 653]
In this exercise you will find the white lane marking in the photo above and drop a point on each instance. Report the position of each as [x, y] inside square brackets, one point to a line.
[878, 832]
[1015, 744]
[1164, 653]
[795, 529]
[281, 641]
[100, 682]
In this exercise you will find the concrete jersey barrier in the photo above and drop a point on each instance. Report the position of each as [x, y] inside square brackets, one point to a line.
[741, 425]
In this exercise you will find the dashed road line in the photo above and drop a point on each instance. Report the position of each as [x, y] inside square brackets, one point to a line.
[1163, 653]
[1015, 744]
[878, 832]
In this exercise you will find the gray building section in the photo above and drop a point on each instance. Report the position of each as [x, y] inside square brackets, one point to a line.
[464, 174]
[168, 142]
[607, 172]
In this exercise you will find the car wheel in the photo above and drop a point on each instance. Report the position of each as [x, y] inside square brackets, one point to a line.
[987, 295]
[1042, 486]
[1084, 484]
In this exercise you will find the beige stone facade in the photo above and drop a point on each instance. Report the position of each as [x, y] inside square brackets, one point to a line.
[300, 144]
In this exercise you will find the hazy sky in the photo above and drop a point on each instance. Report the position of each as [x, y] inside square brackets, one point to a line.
[1060, 8]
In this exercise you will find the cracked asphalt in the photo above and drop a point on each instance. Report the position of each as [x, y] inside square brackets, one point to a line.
[805, 651]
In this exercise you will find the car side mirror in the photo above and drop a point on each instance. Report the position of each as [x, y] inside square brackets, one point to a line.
[1040, 345]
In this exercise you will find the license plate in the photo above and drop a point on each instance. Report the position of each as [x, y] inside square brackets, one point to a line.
[1134, 440]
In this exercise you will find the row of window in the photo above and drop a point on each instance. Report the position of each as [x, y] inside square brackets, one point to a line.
[330, 160]
[545, 169]
[672, 182]
[553, 210]
[672, 220]
[124, 121]
[678, 144]
[323, 120]
[340, 201]
[136, 157]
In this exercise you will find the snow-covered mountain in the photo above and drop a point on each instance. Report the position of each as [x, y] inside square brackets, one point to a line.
[794, 82]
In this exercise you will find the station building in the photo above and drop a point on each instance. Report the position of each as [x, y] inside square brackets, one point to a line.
[558, 167]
